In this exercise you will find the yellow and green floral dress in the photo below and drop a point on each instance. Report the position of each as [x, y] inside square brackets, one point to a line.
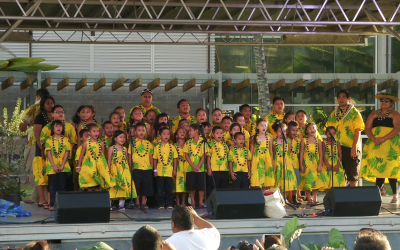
[180, 179]
[262, 169]
[381, 161]
[120, 172]
[338, 176]
[289, 175]
[58, 149]
[94, 170]
[311, 179]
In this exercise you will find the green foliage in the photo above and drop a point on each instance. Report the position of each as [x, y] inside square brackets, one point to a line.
[292, 231]
[9, 164]
[26, 64]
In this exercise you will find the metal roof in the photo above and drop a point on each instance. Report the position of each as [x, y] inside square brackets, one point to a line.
[283, 22]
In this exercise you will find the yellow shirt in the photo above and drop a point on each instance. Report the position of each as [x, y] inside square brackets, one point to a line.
[219, 156]
[78, 153]
[107, 142]
[239, 157]
[229, 141]
[142, 150]
[165, 155]
[143, 109]
[250, 127]
[196, 152]
[345, 127]
[58, 157]
[271, 118]
[175, 122]
[29, 114]
[69, 133]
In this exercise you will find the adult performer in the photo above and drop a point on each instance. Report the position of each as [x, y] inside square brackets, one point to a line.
[184, 113]
[348, 123]
[146, 105]
[381, 154]
[277, 113]
[28, 118]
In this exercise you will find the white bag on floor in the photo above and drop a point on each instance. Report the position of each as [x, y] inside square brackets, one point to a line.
[274, 205]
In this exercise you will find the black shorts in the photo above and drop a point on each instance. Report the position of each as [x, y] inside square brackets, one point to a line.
[242, 180]
[351, 165]
[143, 182]
[194, 180]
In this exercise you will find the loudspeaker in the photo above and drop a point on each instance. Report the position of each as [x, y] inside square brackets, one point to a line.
[353, 201]
[236, 203]
[82, 207]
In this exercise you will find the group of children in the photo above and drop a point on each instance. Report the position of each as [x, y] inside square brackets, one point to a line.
[238, 153]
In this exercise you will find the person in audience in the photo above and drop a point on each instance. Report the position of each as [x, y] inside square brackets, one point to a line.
[184, 113]
[372, 242]
[271, 240]
[185, 237]
[148, 238]
[37, 245]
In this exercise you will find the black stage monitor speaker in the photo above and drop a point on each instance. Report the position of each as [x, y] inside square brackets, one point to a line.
[236, 203]
[353, 201]
[82, 207]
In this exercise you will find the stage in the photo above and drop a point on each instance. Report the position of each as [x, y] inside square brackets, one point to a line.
[119, 231]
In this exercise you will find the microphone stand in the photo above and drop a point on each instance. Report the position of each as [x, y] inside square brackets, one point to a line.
[205, 143]
[284, 168]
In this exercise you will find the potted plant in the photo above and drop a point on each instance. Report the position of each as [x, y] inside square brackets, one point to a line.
[11, 159]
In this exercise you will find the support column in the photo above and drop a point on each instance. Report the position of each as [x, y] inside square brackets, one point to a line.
[382, 55]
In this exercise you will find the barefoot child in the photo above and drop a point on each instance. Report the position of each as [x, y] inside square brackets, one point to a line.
[311, 163]
[239, 158]
[338, 173]
[165, 160]
[94, 174]
[57, 150]
[262, 172]
[284, 172]
[119, 170]
[180, 179]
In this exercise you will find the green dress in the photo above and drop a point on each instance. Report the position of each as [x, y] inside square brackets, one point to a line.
[290, 175]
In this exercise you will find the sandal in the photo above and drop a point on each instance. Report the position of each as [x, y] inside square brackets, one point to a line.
[394, 200]
[42, 204]
[46, 206]
[51, 208]
[136, 206]
[300, 199]
[145, 207]
[29, 201]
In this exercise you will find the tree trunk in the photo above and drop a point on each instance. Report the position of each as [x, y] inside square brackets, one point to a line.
[263, 90]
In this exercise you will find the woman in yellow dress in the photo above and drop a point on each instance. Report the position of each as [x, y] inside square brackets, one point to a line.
[262, 170]
[381, 154]
[119, 170]
[284, 180]
[92, 167]
[338, 172]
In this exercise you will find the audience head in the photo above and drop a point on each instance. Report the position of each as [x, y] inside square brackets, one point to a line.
[373, 241]
[37, 245]
[146, 238]
[270, 240]
[182, 219]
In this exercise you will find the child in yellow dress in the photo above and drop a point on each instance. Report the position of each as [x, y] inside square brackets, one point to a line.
[311, 163]
[292, 134]
[239, 158]
[180, 178]
[338, 172]
[57, 150]
[165, 160]
[119, 170]
[262, 172]
[92, 166]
